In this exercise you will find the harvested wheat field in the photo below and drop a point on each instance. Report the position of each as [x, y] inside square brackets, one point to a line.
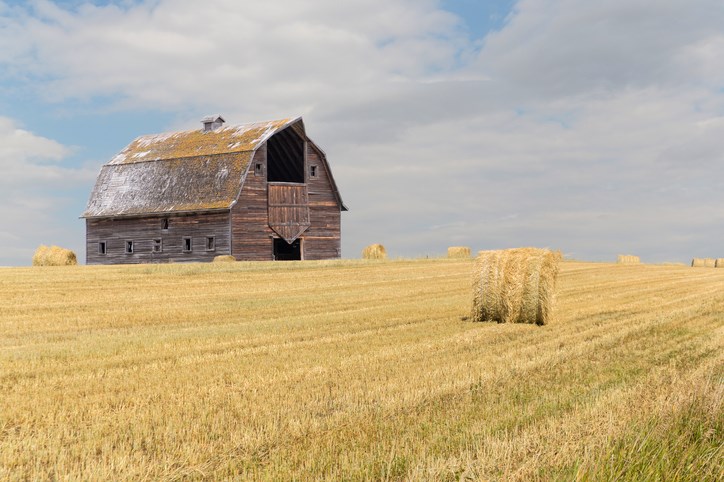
[350, 370]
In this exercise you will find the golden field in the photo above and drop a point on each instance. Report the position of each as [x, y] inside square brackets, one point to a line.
[354, 370]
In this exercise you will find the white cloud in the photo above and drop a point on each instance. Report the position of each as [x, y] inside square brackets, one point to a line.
[224, 53]
[34, 189]
[568, 47]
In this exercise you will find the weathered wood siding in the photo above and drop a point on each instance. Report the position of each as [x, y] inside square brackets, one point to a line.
[144, 230]
[250, 232]
[323, 238]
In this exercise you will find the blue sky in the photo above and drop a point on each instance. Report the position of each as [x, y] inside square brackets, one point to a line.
[595, 128]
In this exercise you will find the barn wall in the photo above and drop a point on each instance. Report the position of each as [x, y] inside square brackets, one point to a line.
[323, 238]
[143, 230]
[250, 231]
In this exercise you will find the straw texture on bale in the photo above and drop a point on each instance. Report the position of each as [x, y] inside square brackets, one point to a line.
[374, 251]
[719, 263]
[703, 263]
[224, 258]
[515, 285]
[54, 256]
[628, 259]
[458, 252]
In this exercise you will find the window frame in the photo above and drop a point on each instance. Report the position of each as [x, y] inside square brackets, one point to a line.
[258, 169]
[210, 243]
[102, 248]
[157, 243]
[164, 224]
[187, 241]
[313, 171]
[129, 246]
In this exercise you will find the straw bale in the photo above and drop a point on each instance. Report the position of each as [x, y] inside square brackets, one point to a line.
[374, 251]
[703, 263]
[628, 259]
[224, 258]
[515, 285]
[719, 263]
[54, 256]
[458, 252]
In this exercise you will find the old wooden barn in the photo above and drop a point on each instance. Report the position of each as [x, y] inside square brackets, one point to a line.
[260, 191]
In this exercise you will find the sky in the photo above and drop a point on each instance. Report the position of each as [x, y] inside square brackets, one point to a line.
[593, 128]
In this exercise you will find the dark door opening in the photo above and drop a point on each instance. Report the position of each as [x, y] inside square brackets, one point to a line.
[284, 251]
[285, 157]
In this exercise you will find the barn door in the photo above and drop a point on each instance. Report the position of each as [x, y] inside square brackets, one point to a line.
[288, 210]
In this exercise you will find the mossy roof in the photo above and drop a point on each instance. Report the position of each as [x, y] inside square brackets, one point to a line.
[175, 172]
[188, 144]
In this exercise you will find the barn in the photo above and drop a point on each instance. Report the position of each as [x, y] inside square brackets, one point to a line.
[259, 191]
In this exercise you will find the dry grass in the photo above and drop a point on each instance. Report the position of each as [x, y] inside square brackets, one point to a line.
[515, 285]
[374, 251]
[455, 252]
[360, 371]
[54, 256]
[703, 263]
[224, 258]
[719, 263]
[628, 259]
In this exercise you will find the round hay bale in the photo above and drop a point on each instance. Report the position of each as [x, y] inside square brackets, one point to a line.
[719, 263]
[458, 252]
[628, 259]
[703, 263]
[40, 256]
[374, 251]
[515, 285]
[224, 258]
[54, 256]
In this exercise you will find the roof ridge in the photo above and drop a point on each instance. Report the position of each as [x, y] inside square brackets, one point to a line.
[286, 120]
[193, 143]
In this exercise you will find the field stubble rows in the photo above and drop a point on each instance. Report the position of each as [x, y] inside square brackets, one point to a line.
[356, 370]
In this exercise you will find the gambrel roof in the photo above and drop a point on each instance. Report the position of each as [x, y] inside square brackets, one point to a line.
[187, 171]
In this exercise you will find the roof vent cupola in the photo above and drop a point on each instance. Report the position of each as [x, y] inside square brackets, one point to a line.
[212, 122]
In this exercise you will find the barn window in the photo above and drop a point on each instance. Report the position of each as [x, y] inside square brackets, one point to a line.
[102, 247]
[129, 247]
[258, 169]
[312, 171]
[157, 245]
[164, 224]
[187, 245]
[210, 243]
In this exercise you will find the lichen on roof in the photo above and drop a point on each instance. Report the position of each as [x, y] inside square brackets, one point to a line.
[174, 145]
[171, 185]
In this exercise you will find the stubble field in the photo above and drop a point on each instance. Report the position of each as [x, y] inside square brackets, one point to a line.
[353, 370]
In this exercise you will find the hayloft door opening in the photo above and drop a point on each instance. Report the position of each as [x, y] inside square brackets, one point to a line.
[285, 157]
[284, 251]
